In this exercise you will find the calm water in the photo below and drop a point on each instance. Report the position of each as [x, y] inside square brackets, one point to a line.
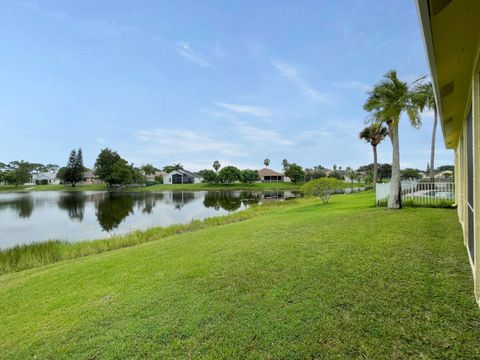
[39, 216]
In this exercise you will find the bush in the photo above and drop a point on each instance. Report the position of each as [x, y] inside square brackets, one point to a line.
[151, 183]
[209, 176]
[295, 173]
[228, 175]
[249, 176]
[322, 187]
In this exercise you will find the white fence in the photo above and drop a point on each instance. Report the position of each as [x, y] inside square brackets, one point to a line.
[421, 193]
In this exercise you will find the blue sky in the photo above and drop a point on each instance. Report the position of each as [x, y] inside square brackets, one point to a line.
[196, 81]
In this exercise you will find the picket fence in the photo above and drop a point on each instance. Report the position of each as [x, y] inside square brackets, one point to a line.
[419, 192]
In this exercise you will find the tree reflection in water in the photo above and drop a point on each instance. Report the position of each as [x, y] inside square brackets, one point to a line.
[74, 204]
[180, 198]
[230, 200]
[23, 205]
[112, 209]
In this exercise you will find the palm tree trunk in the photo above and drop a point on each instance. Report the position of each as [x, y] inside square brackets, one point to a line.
[395, 197]
[432, 154]
[375, 166]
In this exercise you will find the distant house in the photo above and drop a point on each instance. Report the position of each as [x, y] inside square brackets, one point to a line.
[90, 178]
[444, 174]
[181, 177]
[439, 175]
[45, 178]
[327, 172]
[154, 176]
[269, 175]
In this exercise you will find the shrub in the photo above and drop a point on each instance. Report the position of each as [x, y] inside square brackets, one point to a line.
[228, 175]
[209, 176]
[322, 187]
[295, 173]
[249, 176]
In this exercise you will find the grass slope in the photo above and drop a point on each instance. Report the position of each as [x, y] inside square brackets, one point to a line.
[53, 187]
[302, 281]
[160, 187]
[26, 256]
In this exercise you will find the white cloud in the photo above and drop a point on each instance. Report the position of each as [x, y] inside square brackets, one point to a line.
[261, 136]
[316, 134]
[220, 114]
[193, 56]
[354, 85]
[174, 141]
[291, 73]
[245, 109]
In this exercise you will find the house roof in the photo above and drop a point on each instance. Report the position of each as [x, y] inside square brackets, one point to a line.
[45, 176]
[89, 175]
[451, 36]
[185, 172]
[268, 172]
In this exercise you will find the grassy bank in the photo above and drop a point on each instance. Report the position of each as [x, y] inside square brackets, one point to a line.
[238, 186]
[160, 187]
[23, 257]
[301, 280]
[53, 187]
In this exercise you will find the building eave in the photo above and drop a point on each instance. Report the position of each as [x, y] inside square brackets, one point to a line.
[424, 17]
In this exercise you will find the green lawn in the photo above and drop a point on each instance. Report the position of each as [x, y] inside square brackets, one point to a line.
[237, 186]
[302, 280]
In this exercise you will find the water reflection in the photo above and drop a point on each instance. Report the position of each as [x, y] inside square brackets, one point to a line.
[112, 209]
[22, 205]
[73, 204]
[39, 216]
[231, 200]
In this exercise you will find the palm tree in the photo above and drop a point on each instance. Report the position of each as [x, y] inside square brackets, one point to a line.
[426, 100]
[216, 165]
[387, 101]
[285, 164]
[266, 162]
[374, 135]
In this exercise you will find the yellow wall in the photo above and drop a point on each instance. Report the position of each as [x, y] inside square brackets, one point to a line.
[452, 40]
[476, 174]
[461, 178]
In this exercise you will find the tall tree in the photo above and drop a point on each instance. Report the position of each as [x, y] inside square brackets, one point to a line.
[170, 168]
[73, 172]
[374, 135]
[104, 165]
[69, 175]
[148, 169]
[295, 173]
[426, 99]
[79, 168]
[266, 162]
[20, 174]
[285, 164]
[386, 102]
[229, 174]
[216, 165]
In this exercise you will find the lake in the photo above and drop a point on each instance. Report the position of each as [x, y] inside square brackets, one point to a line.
[74, 216]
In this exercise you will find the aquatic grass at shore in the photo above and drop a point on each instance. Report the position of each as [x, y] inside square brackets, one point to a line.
[22, 257]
